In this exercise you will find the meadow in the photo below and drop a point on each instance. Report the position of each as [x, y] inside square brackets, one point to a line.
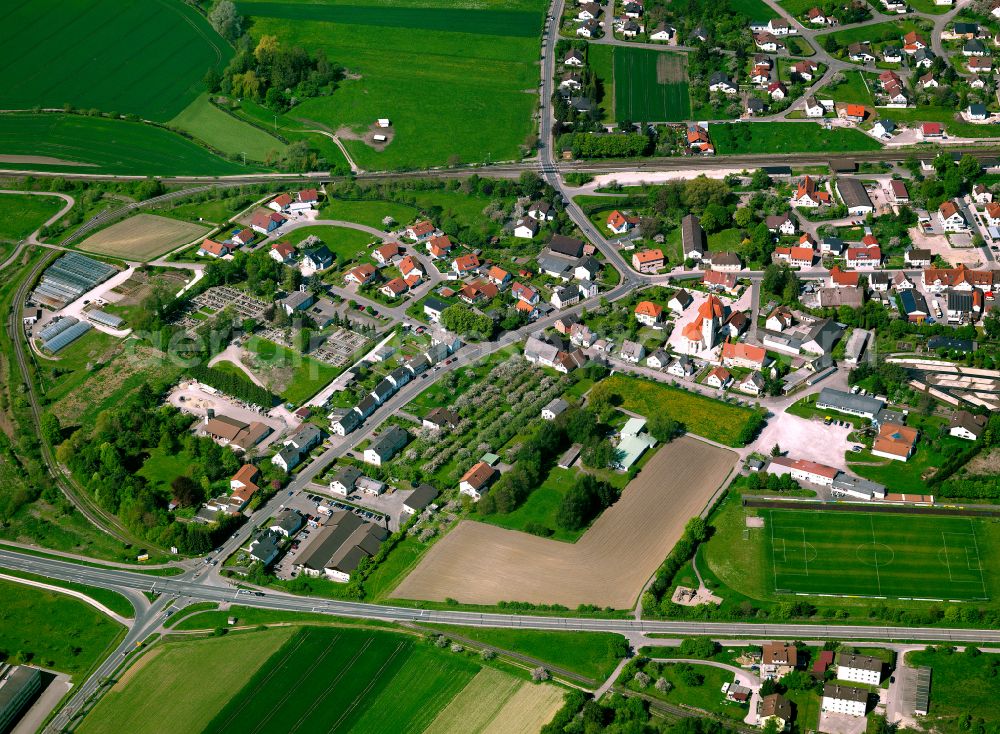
[143, 237]
[22, 214]
[852, 90]
[458, 82]
[227, 133]
[78, 144]
[650, 86]
[52, 630]
[541, 508]
[370, 213]
[293, 376]
[960, 685]
[145, 57]
[787, 137]
[701, 415]
[890, 31]
[876, 554]
[345, 243]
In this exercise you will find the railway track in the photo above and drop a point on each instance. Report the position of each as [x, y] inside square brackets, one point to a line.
[70, 488]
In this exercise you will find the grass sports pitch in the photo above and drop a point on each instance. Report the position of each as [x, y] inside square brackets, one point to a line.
[650, 86]
[875, 554]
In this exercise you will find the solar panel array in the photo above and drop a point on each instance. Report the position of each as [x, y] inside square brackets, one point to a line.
[67, 336]
[108, 319]
[57, 327]
[70, 277]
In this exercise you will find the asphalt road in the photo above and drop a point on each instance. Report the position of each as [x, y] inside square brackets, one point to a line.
[185, 586]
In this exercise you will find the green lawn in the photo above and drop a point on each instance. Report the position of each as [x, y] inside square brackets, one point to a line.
[852, 90]
[798, 7]
[754, 9]
[787, 137]
[345, 243]
[600, 59]
[701, 415]
[224, 132]
[541, 508]
[161, 468]
[22, 214]
[366, 212]
[947, 116]
[960, 684]
[53, 630]
[298, 376]
[183, 684]
[593, 654]
[639, 95]
[481, 59]
[111, 599]
[81, 144]
[128, 56]
[877, 554]
[890, 31]
[707, 696]
[726, 240]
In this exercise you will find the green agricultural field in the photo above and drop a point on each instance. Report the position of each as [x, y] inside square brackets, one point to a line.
[754, 9]
[343, 679]
[876, 554]
[181, 685]
[207, 123]
[458, 80]
[53, 630]
[370, 213]
[701, 415]
[344, 242]
[600, 59]
[145, 57]
[798, 7]
[78, 144]
[22, 214]
[787, 137]
[650, 86]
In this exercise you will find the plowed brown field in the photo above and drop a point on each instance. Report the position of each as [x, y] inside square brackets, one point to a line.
[483, 564]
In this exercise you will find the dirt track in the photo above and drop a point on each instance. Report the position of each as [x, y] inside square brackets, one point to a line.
[483, 564]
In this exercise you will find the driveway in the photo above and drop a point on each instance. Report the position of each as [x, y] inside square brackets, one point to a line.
[803, 438]
[831, 723]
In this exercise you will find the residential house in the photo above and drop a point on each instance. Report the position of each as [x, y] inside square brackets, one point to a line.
[861, 53]
[266, 222]
[864, 257]
[648, 261]
[721, 82]
[744, 355]
[619, 223]
[361, 274]
[386, 446]
[526, 228]
[778, 659]
[726, 262]
[242, 237]
[439, 247]
[808, 195]
[981, 194]
[895, 442]
[717, 280]
[286, 523]
[631, 352]
[384, 254]
[840, 699]
[477, 480]
[280, 203]
[977, 112]
[317, 258]
[525, 293]
[969, 426]
[420, 231]
[420, 499]
[694, 243]
[918, 258]
[951, 218]
[753, 384]
[213, 249]
[780, 319]
[464, 264]
[433, 308]
[681, 367]
[774, 708]
[648, 313]
[658, 360]
[282, 252]
[565, 295]
[541, 211]
[679, 301]
[662, 32]
[860, 668]
[440, 418]
[306, 199]
[720, 378]
[345, 423]
[812, 107]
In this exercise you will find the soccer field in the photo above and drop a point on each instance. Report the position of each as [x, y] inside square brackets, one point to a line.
[875, 554]
[650, 86]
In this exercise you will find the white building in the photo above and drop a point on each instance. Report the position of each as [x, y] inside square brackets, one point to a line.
[839, 699]
[859, 668]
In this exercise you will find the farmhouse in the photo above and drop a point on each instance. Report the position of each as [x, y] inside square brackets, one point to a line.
[477, 480]
[693, 239]
[856, 199]
[859, 668]
[420, 499]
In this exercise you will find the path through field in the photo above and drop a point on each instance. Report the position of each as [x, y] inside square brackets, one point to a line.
[484, 564]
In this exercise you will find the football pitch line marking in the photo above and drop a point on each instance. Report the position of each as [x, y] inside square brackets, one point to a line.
[878, 578]
[975, 542]
[946, 561]
[805, 551]
[774, 560]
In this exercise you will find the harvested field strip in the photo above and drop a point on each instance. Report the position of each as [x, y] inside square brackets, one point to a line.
[225, 132]
[477, 705]
[185, 685]
[607, 566]
[143, 237]
[527, 710]
[459, 20]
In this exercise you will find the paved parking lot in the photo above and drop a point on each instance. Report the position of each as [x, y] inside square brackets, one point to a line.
[830, 723]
